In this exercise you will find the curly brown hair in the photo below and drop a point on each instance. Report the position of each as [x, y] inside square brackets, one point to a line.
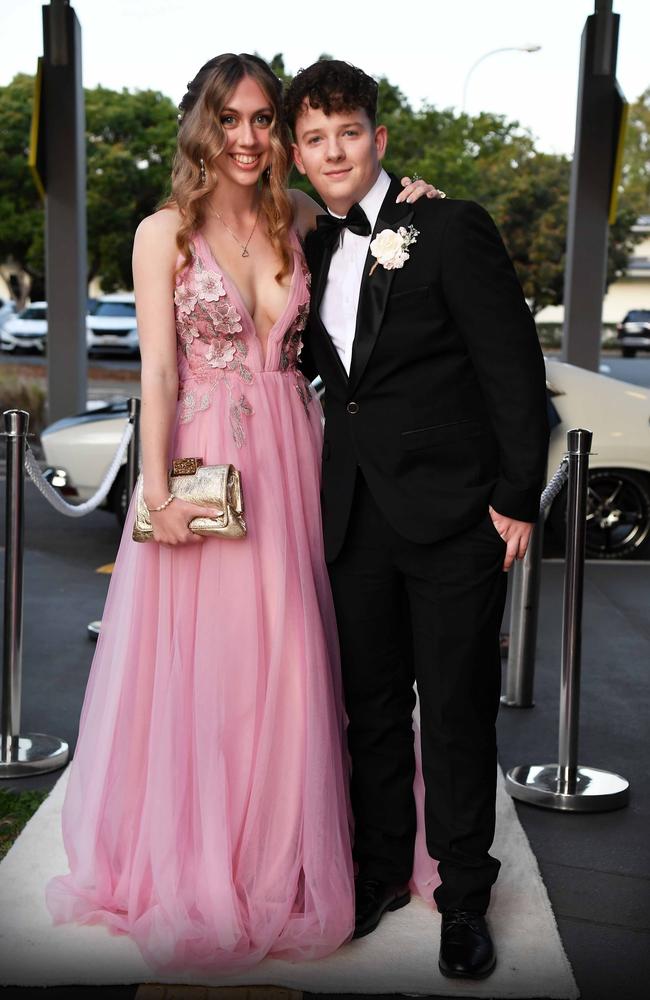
[201, 137]
[332, 85]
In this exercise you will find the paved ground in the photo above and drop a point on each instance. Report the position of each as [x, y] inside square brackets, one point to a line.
[596, 867]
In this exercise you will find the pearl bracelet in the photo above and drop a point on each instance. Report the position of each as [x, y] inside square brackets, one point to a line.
[162, 506]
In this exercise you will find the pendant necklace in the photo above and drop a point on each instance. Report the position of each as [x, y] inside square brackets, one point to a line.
[244, 246]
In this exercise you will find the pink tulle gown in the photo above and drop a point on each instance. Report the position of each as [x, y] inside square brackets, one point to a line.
[206, 814]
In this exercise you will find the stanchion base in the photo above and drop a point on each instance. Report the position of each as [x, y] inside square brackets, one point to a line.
[515, 704]
[593, 791]
[34, 753]
[93, 630]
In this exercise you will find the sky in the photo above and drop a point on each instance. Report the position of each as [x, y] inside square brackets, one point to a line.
[425, 47]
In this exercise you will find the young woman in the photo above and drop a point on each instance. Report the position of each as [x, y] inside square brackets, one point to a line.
[206, 814]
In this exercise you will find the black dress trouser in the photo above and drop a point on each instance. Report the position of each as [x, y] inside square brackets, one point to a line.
[428, 613]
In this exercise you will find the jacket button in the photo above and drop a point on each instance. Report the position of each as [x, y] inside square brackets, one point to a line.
[353, 407]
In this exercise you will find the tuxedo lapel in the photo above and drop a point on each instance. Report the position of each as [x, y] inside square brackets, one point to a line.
[375, 288]
[319, 261]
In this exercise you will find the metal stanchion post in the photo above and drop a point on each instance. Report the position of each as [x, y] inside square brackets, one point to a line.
[579, 446]
[132, 469]
[133, 454]
[16, 423]
[31, 753]
[520, 676]
[565, 785]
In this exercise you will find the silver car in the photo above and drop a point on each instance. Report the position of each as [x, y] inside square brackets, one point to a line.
[7, 312]
[111, 325]
[27, 330]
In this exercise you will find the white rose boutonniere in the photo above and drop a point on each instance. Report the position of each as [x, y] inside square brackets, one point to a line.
[390, 248]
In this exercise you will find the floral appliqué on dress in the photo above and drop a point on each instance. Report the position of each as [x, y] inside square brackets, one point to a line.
[209, 331]
[290, 352]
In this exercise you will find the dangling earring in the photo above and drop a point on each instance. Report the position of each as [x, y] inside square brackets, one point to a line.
[267, 174]
[202, 166]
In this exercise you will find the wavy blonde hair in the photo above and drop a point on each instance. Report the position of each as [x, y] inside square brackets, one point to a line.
[201, 136]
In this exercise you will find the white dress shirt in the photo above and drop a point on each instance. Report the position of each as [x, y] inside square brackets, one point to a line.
[338, 309]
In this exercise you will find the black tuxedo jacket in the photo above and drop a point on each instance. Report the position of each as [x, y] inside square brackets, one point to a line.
[445, 407]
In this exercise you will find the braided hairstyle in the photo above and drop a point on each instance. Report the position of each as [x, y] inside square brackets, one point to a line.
[201, 137]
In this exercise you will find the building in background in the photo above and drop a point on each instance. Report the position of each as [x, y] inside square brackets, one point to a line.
[630, 291]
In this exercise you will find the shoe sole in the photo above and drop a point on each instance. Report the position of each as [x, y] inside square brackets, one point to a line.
[397, 904]
[450, 974]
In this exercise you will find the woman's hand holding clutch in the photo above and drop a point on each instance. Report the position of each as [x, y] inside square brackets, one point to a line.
[171, 525]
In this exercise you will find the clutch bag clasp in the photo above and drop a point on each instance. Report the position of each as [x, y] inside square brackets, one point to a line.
[186, 466]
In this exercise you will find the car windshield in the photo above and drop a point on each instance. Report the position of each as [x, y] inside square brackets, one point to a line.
[638, 316]
[113, 309]
[33, 312]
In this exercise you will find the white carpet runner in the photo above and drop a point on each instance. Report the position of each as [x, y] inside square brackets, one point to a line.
[399, 957]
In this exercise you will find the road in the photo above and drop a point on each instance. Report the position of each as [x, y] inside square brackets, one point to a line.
[634, 370]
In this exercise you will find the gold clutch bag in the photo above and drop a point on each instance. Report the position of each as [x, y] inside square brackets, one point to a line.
[209, 485]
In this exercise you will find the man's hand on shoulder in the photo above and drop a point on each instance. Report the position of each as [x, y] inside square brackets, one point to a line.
[516, 535]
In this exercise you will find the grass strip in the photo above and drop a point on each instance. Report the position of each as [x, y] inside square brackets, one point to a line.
[15, 809]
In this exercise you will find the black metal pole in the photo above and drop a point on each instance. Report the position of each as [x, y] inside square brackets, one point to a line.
[133, 454]
[65, 237]
[589, 199]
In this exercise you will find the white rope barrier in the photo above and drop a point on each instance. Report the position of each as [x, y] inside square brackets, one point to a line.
[554, 485]
[550, 492]
[54, 498]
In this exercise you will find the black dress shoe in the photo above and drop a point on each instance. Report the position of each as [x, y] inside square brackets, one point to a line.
[466, 949]
[372, 899]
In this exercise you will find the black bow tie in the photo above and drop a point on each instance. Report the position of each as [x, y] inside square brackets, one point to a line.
[330, 228]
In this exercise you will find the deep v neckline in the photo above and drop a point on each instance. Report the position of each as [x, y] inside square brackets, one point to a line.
[236, 294]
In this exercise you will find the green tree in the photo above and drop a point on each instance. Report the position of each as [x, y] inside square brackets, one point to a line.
[636, 162]
[531, 212]
[277, 65]
[489, 159]
[21, 210]
[130, 144]
[131, 139]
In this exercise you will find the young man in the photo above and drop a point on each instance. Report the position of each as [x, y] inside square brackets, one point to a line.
[433, 463]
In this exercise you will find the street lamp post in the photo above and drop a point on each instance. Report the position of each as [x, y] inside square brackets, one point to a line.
[493, 52]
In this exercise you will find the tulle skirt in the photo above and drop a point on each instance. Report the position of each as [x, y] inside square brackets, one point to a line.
[207, 813]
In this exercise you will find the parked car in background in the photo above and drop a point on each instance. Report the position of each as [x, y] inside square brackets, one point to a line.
[7, 312]
[633, 334]
[618, 414]
[80, 449]
[27, 330]
[111, 325]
